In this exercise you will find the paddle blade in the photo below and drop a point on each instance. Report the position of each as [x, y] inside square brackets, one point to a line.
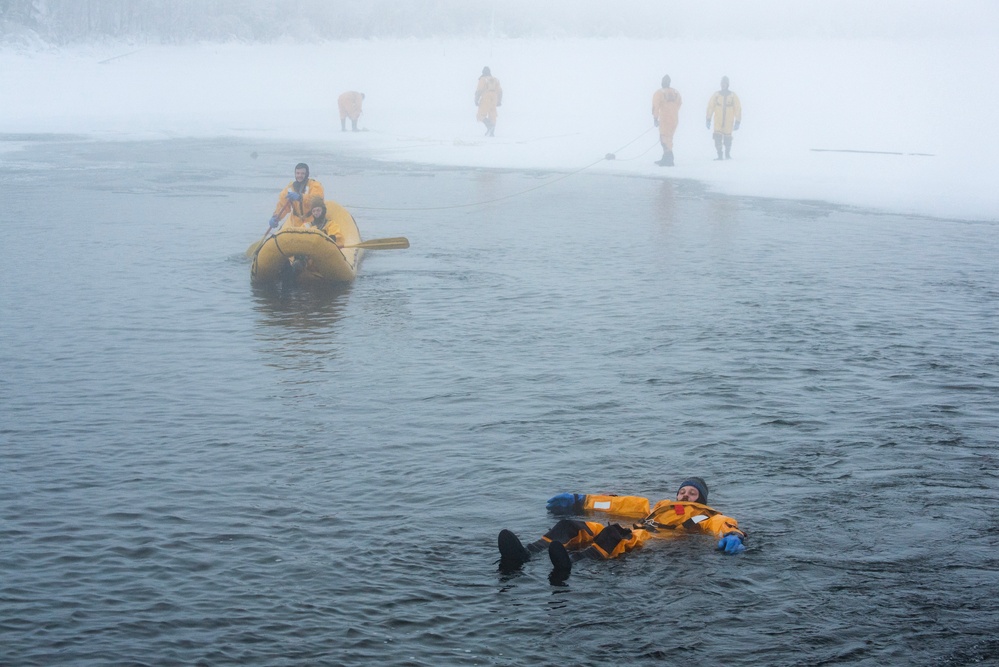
[252, 250]
[394, 243]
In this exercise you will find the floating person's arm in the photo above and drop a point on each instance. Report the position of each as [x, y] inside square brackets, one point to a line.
[579, 503]
[731, 540]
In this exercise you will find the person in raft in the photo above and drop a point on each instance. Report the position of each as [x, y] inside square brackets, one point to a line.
[295, 196]
[571, 540]
[488, 96]
[349, 104]
[323, 220]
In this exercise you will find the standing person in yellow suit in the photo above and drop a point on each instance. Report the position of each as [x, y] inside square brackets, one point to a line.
[726, 110]
[689, 513]
[666, 115]
[488, 96]
[295, 197]
[349, 104]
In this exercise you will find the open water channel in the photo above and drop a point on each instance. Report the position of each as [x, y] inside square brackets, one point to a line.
[196, 472]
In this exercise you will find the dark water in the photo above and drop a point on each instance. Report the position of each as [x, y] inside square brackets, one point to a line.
[197, 473]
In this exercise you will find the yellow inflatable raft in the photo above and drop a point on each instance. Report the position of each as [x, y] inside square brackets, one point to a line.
[316, 257]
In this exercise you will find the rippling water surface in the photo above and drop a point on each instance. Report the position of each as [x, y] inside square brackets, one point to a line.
[194, 472]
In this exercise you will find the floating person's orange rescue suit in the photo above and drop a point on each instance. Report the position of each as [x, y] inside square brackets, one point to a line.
[668, 518]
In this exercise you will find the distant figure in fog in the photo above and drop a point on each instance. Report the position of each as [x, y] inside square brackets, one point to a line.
[350, 107]
[295, 197]
[666, 115]
[725, 108]
[488, 96]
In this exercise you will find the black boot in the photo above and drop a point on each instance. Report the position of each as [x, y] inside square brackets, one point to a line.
[560, 558]
[512, 552]
[668, 159]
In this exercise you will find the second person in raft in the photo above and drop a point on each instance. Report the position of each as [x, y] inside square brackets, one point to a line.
[594, 540]
[295, 197]
[324, 221]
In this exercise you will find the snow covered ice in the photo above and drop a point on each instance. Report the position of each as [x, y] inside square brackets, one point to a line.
[894, 124]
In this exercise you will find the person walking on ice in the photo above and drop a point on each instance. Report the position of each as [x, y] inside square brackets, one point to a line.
[726, 110]
[488, 96]
[666, 115]
[349, 105]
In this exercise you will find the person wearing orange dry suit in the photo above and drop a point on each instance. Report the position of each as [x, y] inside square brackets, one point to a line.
[726, 110]
[295, 197]
[689, 513]
[666, 115]
[349, 104]
[488, 96]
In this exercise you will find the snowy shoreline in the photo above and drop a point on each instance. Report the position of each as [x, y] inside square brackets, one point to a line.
[885, 125]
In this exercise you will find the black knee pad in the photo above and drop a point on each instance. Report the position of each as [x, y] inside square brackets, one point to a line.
[611, 536]
[567, 529]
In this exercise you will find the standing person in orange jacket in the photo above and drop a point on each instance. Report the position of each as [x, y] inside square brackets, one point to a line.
[594, 540]
[296, 197]
[349, 104]
[666, 115]
[726, 110]
[488, 96]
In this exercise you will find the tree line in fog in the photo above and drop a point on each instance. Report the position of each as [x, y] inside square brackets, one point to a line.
[59, 22]
[183, 21]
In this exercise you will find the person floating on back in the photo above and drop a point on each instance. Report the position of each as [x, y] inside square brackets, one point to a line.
[725, 108]
[666, 115]
[349, 104]
[488, 96]
[571, 540]
[295, 197]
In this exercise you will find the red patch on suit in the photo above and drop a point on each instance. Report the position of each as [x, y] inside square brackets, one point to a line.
[679, 509]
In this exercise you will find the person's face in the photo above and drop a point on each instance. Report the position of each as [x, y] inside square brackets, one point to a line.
[299, 174]
[317, 212]
[724, 83]
[687, 494]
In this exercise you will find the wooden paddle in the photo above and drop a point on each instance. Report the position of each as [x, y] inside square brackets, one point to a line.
[256, 245]
[394, 243]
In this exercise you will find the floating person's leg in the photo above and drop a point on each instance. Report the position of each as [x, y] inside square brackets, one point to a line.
[512, 552]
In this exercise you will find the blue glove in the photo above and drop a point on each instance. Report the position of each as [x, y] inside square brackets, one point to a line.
[294, 196]
[736, 127]
[273, 222]
[707, 123]
[566, 503]
[731, 544]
